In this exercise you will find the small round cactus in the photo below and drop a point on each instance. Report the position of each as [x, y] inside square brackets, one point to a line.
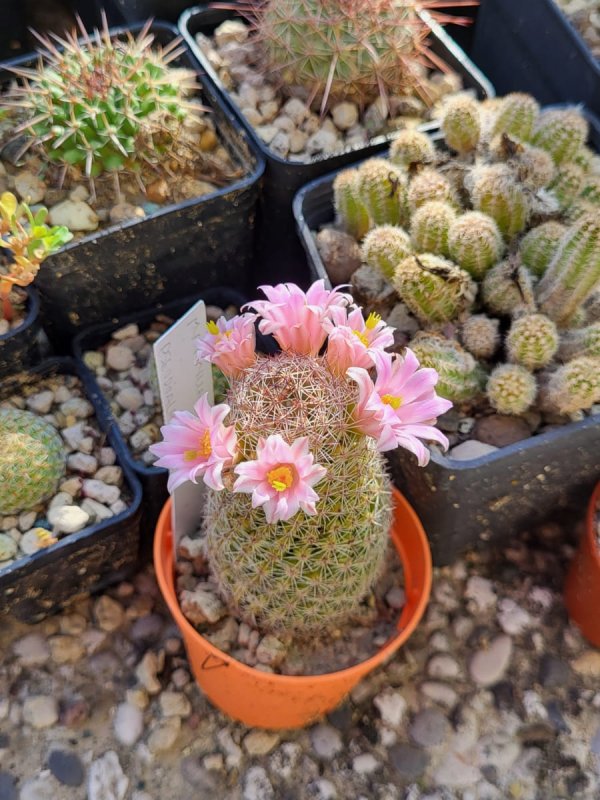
[412, 147]
[574, 387]
[460, 376]
[433, 288]
[532, 341]
[511, 389]
[480, 335]
[507, 289]
[516, 115]
[382, 188]
[567, 184]
[350, 210]
[384, 248]
[32, 460]
[475, 243]
[538, 246]
[580, 342]
[495, 192]
[461, 124]
[429, 227]
[429, 185]
[534, 167]
[561, 132]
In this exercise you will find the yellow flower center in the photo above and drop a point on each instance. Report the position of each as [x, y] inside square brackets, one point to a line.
[392, 400]
[372, 320]
[281, 478]
[362, 337]
[203, 451]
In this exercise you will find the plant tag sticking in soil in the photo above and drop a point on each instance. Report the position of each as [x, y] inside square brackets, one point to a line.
[182, 379]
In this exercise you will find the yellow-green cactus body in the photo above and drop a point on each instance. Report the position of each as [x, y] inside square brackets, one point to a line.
[561, 132]
[429, 185]
[516, 115]
[495, 192]
[411, 147]
[429, 227]
[350, 210]
[538, 246]
[567, 184]
[475, 243]
[382, 188]
[433, 288]
[385, 247]
[460, 376]
[532, 341]
[461, 124]
[575, 386]
[580, 342]
[511, 389]
[507, 289]
[480, 335]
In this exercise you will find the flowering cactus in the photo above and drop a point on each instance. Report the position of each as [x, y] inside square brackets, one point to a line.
[296, 522]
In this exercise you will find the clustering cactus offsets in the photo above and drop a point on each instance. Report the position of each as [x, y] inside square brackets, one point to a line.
[502, 282]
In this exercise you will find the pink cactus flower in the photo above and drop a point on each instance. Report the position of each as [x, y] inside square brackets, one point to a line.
[401, 407]
[229, 343]
[295, 318]
[353, 340]
[281, 478]
[198, 445]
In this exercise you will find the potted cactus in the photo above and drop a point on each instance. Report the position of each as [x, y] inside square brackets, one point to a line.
[297, 517]
[26, 241]
[486, 254]
[110, 132]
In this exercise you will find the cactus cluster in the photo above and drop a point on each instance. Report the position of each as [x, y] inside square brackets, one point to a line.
[505, 237]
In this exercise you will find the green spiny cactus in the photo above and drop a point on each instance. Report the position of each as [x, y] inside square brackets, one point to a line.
[584, 158]
[461, 124]
[433, 288]
[573, 387]
[427, 186]
[305, 573]
[411, 147]
[590, 189]
[106, 105]
[475, 243]
[480, 335]
[561, 132]
[460, 376]
[495, 192]
[32, 460]
[220, 385]
[574, 272]
[534, 167]
[532, 341]
[511, 389]
[516, 115]
[382, 188]
[429, 227]
[507, 289]
[567, 184]
[592, 308]
[538, 246]
[580, 342]
[350, 210]
[384, 248]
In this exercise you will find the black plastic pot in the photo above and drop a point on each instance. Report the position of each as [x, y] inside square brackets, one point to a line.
[153, 479]
[530, 46]
[279, 254]
[463, 504]
[176, 251]
[20, 347]
[95, 557]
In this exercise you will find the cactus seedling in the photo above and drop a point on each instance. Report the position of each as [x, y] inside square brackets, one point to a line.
[475, 243]
[538, 246]
[384, 248]
[532, 341]
[460, 376]
[480, 335]
[433, 288]
[429, 227]
[516, 116]
[495, 192]
[461, 124]
[382, 188]
[511, 389]
[349, 207]
[574, 386]
[412, 147]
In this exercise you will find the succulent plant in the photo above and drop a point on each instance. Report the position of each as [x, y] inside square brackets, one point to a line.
[591, 307]
[433, 288]
[516, 115]
[382, 188]
[590, 187]
[385, 247]
[429, 227]
[32, 460]
[562, 132]
[507, 288]
[538, 246]
[461, 124]
[461, 378]
[349, 207]
[532, 341]
[428, 185]
[412, 147]
[534, 167]
[511, 389]
[480, 335]
[574, 387]
[567, 184]
[496, 192]
[580, 342]
[475, 243]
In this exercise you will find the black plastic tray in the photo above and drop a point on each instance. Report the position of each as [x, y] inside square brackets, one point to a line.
[530, 46]
[21, 345]
[89, 560]
[176, 251]
[280, 257]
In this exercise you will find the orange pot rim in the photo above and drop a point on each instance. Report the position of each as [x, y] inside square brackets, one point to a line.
[591, 525]
[413, 609]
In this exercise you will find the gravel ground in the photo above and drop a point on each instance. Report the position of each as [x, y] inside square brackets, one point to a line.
[496, 696]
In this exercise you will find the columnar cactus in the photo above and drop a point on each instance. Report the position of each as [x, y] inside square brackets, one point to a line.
[495, 192]
[429, 227]
[508, 288]
[567, 184]
[460, 376]
[574, 386]
[532, 341]
[382, 188]
[433, 288]
[461, 124]
[538, 246]
[561, 132]
[32, 460]
[511, 389]
[534, 167]
[350, 210]
[385, 247]
[480, 335]
[475, 243]
[580, 342]
[429, 185]
[516, 115]
[411, 147]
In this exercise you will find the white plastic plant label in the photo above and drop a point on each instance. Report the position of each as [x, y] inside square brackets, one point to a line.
[182, 379]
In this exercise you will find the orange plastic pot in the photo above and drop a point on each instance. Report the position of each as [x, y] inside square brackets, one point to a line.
[265, 700]
[582, 587]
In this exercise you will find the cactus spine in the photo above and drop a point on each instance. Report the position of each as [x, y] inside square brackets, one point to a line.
[434, 289]
[567, 184]
[411, 147]
[382, 188]
[460, 376]
[480, 335]
[384, 247]
[349, 208]
[475, 243]
[535, 168]
[511, 389]
[532, 341]
[538, 246]
[461, 124]
[429, 185]
[429, 227]
[574, 386]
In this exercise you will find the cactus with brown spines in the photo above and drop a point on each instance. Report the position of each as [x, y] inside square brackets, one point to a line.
[511, 389]
[382, 188]
[580, 342]
[412, 147]
[562, 132]
[532, 341]
[495, 191]
[538, 246]
[350, 210]
[429, 185]
[475, 243]
[507, 289]
[429, 227]
[516, 115]
[573, 387]
[480, 335]
[461, 378]
[433, 288]
[461, 124]
[384, 247]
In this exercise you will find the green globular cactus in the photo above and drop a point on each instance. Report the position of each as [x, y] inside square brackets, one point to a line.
[32, 460]
[310, 571]
[567, 184]
[429, 185]
[516, 115]
[538, 246]
[561, 132]
[574, 272]
[580, 342]
[461, 378]
[411, 147]
[480, 335]
[495, 191]
[532, 341]
[507, 289]
[384, 247]
[573, 387]
[511, 389]
[382, 188]
[106, 105]
[461, 124]
[350, 211]
[433, 288]
[429, 227]
[475, 243]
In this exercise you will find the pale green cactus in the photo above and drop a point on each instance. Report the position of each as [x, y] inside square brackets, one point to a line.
[429, 185]
[516, 115]
[507, 289]
[480, 335]
[429, 227]
[475, 243]
[382, 187]
[573, 387]
[384, 247]
[567, 184]
[562, 132]
[532, 341]
[496, 192]
[511, 389]
[538, 246]
[534, 167]
[580, 342]
[433, 288]
[461, 378]
[350, 210]
[412, 147]
[461, 124]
